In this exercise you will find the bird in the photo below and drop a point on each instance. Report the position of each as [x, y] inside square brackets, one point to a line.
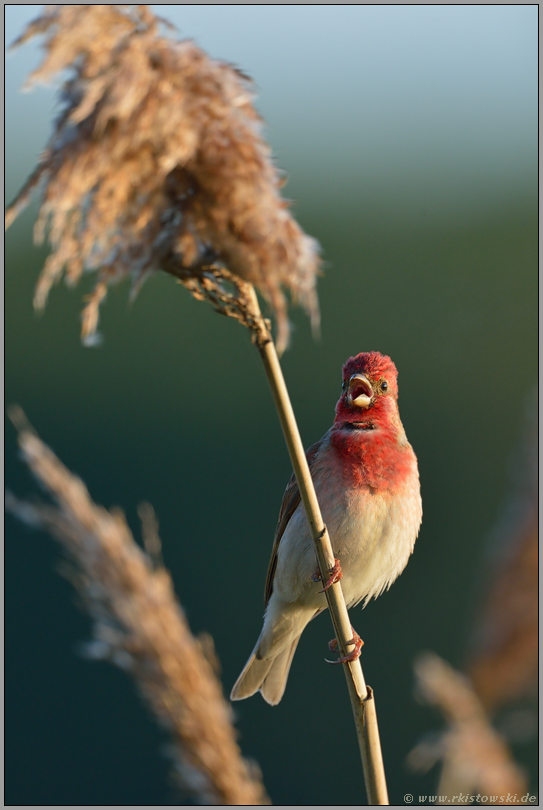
[366, 479]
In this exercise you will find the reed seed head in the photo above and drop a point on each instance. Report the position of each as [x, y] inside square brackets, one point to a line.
[157, 162]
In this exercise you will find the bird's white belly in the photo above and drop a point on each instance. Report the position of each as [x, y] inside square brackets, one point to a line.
[372, 535]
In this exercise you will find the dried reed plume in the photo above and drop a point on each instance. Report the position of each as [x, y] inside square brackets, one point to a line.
[475, 758]
[503, 662]
[157, 162]
[503, 658]
[139, 626]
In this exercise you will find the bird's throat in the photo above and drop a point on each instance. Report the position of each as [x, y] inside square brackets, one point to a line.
[372, 453]
[357, 426]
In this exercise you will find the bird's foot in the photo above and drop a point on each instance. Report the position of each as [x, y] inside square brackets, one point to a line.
[335, 574]
[353, 655]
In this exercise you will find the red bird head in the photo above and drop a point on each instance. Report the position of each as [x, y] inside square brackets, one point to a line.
[370, 388]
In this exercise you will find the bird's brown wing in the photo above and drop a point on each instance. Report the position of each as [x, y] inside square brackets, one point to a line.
[290, 501]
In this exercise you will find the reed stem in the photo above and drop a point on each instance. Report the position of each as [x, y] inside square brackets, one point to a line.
[362, 700]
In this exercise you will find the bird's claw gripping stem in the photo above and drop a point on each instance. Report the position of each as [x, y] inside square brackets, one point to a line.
[352, 656]
[335, 575]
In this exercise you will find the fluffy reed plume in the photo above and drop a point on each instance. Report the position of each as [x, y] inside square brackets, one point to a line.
[503, 666]
[157, 162]
[139, 626]
[503, 662]
[475, 758]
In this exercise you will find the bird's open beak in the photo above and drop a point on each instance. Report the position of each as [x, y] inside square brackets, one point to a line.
[360, 391]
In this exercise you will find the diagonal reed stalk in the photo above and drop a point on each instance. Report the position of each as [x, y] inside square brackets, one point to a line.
[243, 306]
[362, 699]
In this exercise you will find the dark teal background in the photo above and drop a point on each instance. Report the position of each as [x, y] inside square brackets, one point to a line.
[174, 408]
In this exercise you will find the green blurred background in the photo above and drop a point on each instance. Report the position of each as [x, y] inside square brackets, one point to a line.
[409, 134]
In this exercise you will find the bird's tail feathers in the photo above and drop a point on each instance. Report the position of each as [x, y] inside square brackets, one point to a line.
[274, 684]
[269, 675]
[252, 676]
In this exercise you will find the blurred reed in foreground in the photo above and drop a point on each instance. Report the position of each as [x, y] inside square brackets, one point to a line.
[139, 626]
[475, 758]
[503, 649]
[157, 162]
[503, 652]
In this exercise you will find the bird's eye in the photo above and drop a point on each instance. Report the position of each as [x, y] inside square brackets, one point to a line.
[384, 385]
[344, 385]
